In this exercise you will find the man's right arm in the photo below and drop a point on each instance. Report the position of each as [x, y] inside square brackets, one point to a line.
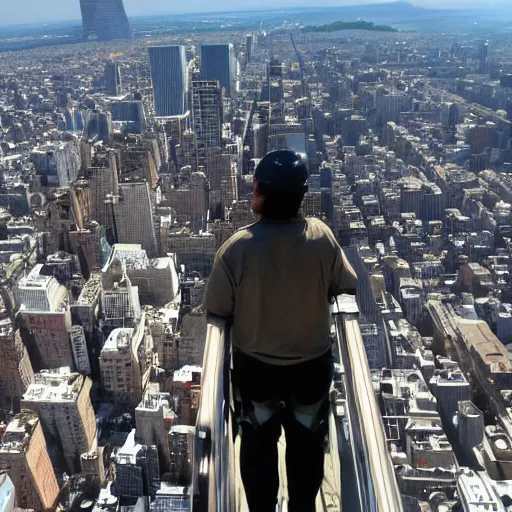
[219, 298]
[343, 277]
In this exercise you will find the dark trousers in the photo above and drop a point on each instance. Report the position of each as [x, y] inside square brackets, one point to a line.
[306, 383]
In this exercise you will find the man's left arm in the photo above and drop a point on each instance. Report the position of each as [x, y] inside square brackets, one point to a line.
[219, 298]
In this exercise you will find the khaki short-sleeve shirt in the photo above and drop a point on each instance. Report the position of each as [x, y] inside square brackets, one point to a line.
[275, 279]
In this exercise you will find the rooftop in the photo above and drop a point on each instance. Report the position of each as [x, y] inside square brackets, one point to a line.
[18, 432]
[476, 492]
[58, 385]
[127, 454]
[119, 339]
[37, 292]
[90, 291]
[185, 374]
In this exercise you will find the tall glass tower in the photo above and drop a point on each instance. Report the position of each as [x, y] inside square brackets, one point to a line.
[218, 62]
[104, 20]
[207, 113]
[113, 79]
[170, 81]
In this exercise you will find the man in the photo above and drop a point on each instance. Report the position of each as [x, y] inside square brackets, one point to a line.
[275, 279]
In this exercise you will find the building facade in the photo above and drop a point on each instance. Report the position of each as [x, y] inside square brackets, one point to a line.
[207, 114]
[24, 456]
[218, 62]
[170, 79]
[104, 20]
[62, 401]
[113, 79]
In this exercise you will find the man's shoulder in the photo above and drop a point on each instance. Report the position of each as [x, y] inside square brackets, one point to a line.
[237, 239]
[319, 229]
[246, 231]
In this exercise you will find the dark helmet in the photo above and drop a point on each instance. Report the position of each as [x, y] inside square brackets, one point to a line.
[283, 171]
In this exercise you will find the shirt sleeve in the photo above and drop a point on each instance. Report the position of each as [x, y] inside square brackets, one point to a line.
[343, 279]
[219, 298]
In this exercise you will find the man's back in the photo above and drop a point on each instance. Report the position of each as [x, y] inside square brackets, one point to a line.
[276, 279]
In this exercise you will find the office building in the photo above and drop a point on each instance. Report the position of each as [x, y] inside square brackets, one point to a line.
[136, 470]
[102, 184]
[15, 368]
[121, 374]
[352, 128]
[133, 215]
[170, 79]
[44, 309]
[129, 115]
[190, 201]
[79, 348]
[97, 125]
[154, 418]
[120, 305]
[140, 161]
[207, 114]
[477, 491]
[181, 446]
[24, 456]
[156, 279]
[170, 497]
[426, 445]
[249, 41]
[86, 244]
[389, 106]
[62, 401]
[57, 163]
[470, 430]
[104, 20]
[483, 53]
[411, 299]
[113, 79]
[450, 388]
[92, 462]
[218, 62]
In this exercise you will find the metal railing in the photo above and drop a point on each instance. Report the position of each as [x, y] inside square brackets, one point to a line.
[213, 483]
[369, 483]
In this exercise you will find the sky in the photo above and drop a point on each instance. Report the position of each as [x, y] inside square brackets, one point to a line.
[34, 11]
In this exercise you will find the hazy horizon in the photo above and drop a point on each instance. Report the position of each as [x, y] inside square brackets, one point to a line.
[37, 11]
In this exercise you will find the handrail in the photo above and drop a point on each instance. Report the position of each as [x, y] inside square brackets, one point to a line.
[369, 483]
[214, 461]
[375, 488]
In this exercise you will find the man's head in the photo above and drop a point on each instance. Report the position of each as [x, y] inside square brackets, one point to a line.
[280, 182]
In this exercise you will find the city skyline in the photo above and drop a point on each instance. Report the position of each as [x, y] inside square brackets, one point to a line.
[145, 209]
[35, 11]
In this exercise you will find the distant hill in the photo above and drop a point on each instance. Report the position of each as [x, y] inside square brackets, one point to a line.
[406, 16]
[349, 25]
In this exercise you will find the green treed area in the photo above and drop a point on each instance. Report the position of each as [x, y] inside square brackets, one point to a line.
[349, 25]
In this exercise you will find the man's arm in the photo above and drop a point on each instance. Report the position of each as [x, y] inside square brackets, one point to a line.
[219, 298]
[344, 278]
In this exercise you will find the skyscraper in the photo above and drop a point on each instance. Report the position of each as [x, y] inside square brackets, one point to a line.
[113, 79]
[134, 218]
[170, 81]
[44, 310]
[218, 62]
[119, 366]
[104, 20]
[207, 113]
[15, 368]
[62, 401]
[24, 455]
